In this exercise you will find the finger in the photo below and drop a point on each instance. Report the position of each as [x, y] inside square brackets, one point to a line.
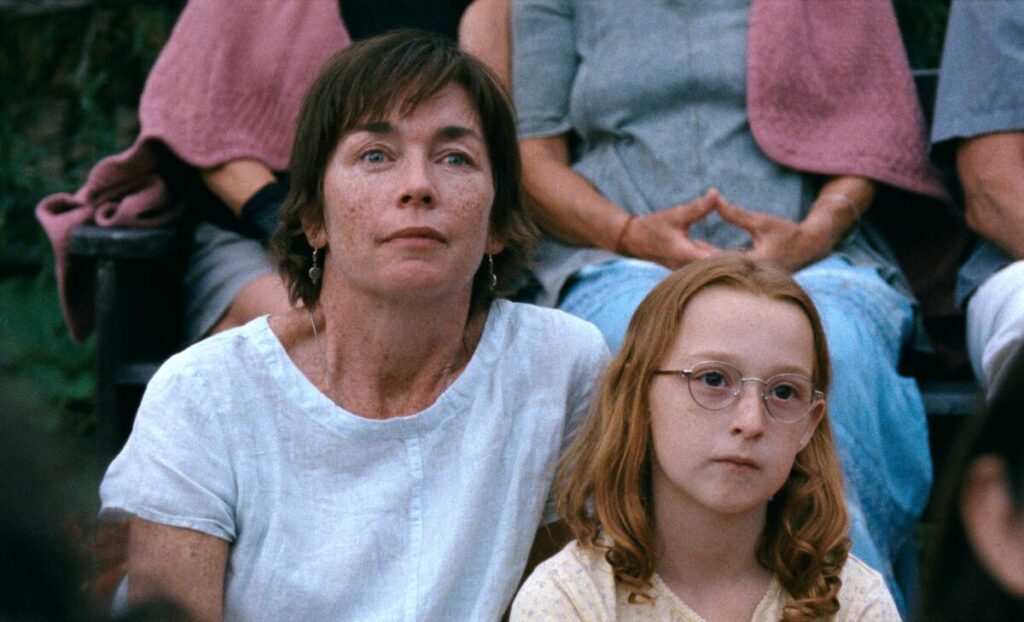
[686, 214]
[738, 216]
[710, 248]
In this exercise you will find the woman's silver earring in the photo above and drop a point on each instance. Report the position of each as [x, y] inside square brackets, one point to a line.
[490, 269]
[314, 271]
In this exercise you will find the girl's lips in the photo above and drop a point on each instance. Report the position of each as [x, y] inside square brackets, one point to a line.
[739, 461]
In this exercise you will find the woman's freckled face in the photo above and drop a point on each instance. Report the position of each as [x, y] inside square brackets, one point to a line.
[407, 201]
[732, 460]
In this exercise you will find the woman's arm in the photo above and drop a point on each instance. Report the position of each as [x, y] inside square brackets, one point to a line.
[235, 182]
[991, 169]
[840, 203]
[250, 190]
[484, 33]
[181, 564]
[566, 206]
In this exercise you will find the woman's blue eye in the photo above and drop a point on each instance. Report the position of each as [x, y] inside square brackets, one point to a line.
[456, 159]
[374, 157]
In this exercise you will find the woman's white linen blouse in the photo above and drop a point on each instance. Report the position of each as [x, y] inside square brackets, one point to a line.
[331, 516]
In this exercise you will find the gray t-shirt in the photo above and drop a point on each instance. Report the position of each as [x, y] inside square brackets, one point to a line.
[981, 90]
[656, 94]
[331, 516]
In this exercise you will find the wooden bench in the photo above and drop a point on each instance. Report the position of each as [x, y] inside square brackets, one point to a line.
[138, 319]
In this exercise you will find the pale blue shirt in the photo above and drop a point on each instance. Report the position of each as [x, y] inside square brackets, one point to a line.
[332, 516]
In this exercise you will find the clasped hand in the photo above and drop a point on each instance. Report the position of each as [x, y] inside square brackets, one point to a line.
[664, 236]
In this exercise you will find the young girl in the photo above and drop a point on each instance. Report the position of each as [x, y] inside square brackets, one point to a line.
[705, 484]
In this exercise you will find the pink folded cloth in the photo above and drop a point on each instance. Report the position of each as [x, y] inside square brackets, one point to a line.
[228, 84]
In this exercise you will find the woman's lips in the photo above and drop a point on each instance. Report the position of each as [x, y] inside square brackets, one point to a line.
[413, 234]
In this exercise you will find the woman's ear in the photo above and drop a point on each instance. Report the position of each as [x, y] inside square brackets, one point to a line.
[813, 419]
[494, 244]
[316, 233]
[995, 528]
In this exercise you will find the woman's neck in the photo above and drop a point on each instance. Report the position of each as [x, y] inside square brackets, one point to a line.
[382, 359]
[709, 559]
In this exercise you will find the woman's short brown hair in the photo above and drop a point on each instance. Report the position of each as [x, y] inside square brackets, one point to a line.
[365, 83]
[605, 477]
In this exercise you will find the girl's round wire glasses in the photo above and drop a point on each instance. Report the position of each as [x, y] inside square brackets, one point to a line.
[715, 386]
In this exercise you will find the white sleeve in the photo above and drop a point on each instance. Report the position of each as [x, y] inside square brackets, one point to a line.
[589, 367]
[176, 467]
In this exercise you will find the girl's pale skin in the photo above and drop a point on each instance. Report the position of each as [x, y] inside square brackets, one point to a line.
[406, 218]
[714, 471]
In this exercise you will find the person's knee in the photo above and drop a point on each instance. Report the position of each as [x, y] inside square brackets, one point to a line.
[265, 295]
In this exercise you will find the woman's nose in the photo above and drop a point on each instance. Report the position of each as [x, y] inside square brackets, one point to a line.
[417, 189]
[749, 411]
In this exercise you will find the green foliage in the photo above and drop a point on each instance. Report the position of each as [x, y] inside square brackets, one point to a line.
[35, 347]
[76, 76]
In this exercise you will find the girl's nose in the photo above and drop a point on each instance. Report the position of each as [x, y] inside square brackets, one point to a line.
[749, 411]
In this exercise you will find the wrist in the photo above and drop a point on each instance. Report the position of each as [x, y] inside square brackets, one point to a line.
[621, 246]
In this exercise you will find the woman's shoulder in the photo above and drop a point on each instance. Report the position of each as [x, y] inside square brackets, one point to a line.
[575, 584]
[864, 595]
[220, 355]
[552, 326]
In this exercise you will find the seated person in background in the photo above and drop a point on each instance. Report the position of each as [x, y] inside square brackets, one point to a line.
[217, 115]
[384, 451]
[980, 105]
[975, 570]
[736, 126]
[705, 484]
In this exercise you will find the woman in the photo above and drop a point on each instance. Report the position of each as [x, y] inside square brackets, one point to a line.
[975, 569]
[706, 127]
[373, 454]
[706, 485]
[216, 119]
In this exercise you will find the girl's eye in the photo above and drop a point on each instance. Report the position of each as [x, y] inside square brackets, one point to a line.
[784, 392]
[374, 156]
[455, 159]
[714, 379]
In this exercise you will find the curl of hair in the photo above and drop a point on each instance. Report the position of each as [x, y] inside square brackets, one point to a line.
[366, 82]
[604, 478]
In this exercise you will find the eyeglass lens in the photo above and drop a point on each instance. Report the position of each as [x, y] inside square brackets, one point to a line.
[715, 386]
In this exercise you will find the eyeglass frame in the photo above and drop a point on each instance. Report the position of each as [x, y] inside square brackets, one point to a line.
[817, 395]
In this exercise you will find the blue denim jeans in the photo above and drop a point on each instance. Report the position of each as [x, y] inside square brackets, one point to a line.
[877, 415]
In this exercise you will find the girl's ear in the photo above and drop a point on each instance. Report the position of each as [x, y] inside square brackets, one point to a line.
[813, 419]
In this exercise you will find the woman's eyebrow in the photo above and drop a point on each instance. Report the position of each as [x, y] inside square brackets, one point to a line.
[375, 127]
[453, 132]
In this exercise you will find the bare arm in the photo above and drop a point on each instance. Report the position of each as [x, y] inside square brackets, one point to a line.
[991, 169]
[484, 33]
[235, 182]
[565, 205]
[182, 564]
